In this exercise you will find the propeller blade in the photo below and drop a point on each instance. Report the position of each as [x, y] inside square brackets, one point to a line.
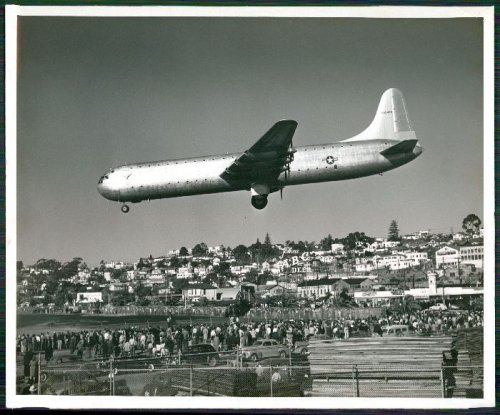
[281, 193]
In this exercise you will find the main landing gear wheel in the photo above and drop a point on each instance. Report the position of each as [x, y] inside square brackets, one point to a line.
[259, 202]
[125, 208]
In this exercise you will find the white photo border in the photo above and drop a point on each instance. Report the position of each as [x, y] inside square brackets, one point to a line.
[18, 401]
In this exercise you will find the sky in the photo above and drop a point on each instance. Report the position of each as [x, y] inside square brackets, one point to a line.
[99, 92]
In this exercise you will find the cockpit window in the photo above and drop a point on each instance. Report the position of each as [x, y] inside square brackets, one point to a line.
[103, 178]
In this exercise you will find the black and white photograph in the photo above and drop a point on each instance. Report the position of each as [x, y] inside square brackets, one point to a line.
[250, 207]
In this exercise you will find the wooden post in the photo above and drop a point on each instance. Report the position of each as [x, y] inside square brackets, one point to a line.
[290, 358]
[353, 382]
[271, 379]
[191, 380]
[443, 386]
[356, 372]
[110, 377]
[39, 374]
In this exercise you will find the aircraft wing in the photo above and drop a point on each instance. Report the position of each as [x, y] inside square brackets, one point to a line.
[266, 159]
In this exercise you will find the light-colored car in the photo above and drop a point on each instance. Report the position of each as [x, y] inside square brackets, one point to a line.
[264, 348]
[396, 330]
[301, 346]
[438, 307]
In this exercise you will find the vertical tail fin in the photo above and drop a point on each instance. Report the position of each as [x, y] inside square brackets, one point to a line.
[391, 120]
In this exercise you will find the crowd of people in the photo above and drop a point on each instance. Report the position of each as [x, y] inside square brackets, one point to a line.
[172, 337]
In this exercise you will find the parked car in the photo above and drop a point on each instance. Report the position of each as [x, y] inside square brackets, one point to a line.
[65, 356]
[200, 353]
[131, 363]
[438, 307]
[301, 346]
[264, 348]
[80, 380]
[396, 330]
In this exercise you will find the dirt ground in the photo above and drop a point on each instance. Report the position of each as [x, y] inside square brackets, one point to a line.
[42, 323]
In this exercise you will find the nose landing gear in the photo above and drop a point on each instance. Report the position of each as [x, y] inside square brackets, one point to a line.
[125, 208]
[259, 201]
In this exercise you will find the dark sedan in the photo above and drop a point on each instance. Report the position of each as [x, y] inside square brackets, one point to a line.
[200, 354]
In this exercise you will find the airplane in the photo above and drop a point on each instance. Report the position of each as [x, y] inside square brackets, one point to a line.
[272, 163]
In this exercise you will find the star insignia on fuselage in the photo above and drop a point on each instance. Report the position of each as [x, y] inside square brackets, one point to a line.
[330, 159]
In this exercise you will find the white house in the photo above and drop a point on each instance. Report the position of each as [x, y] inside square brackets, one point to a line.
[184, 273]
[89, 297]
[447, 256]
[197, 291]
[416, 258]
[472, 254]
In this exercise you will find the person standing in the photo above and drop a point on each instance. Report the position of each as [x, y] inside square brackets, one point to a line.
[346, 330]
[49, 352]
[34, 369]
[26, 362]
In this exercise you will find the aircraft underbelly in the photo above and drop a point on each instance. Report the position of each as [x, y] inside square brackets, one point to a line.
[202, 176]
[175, 179]
[331, 165]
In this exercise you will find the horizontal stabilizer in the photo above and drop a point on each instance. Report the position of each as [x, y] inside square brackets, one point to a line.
[402, 147]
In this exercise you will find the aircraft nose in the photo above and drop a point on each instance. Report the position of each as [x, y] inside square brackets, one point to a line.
[417, 150]
[103, 186]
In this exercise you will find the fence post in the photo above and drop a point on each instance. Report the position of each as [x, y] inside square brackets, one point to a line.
[356, 372]
[290, 358]
[191, 380]
[443, 386]
[271, 379]
[110, 377]
[39, 373]
[355, 391]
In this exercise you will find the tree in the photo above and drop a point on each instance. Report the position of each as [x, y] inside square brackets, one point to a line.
[48, 264]
[393, 231]
[175, 262]
[267, 239]
[252, 276]
[241, 253]
[344, 299]
[326, 243]
[183, 251]
[200, 249]
[471, 224]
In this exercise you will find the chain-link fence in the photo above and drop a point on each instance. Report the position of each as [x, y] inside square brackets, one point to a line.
[280, 313]
[402, 381]
[231, 375]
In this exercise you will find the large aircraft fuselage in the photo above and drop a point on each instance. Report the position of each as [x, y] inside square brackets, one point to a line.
[201, 175]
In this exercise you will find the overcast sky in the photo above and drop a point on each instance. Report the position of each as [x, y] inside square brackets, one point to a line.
[100, 92]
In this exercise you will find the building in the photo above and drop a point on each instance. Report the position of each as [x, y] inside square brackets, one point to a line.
[118, 287]
[472, 254]
[89, 297]
[195, 292]
[367, 284]
[185, 273]
[316, 288]
[447, 256]
[416, 258]
[271, 290]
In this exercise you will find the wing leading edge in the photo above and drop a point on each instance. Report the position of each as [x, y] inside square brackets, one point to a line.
[266, 159]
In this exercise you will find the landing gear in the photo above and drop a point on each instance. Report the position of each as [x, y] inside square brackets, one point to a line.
[259, 201]
[125, 208]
